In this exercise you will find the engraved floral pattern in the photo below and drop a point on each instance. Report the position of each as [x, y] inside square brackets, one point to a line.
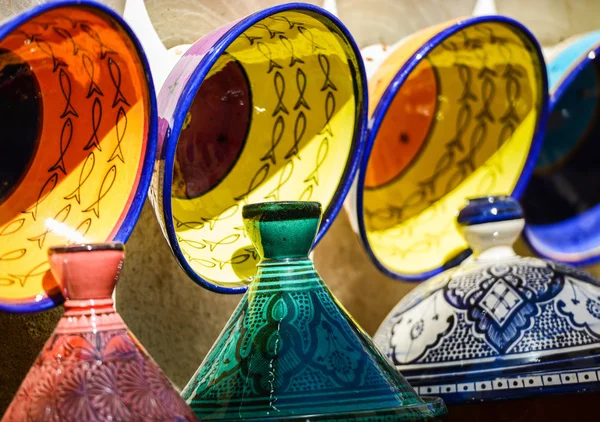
[96, 377]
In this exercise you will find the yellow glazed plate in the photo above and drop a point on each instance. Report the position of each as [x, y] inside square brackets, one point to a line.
[270, 108]
[456, 112]
[78, 139]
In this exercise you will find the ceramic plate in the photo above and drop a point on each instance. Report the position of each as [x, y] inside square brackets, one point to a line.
[562, 200]
[269, 108]
[457, 111]
[79, 134]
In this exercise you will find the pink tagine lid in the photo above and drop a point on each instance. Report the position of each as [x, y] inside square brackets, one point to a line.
[92, 367]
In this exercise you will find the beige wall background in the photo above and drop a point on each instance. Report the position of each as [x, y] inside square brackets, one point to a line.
[177, 320]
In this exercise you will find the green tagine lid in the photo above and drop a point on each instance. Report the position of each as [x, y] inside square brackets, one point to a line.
[290, 351]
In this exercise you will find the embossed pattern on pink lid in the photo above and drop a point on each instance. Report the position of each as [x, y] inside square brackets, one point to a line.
[92, 368]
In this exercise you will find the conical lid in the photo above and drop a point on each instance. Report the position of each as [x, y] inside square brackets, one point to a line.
[499, 325]
[92, 368]
[290, 350]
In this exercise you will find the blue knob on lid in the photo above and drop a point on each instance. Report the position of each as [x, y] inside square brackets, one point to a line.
[489, 209]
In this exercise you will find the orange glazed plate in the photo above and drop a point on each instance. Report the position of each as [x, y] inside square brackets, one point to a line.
[78, 124]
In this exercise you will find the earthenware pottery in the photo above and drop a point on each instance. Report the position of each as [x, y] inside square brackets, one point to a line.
[499, 326]
[561, 200]
[456, 110]
[77, 112]
[92, 368]
[269, 108]
[290, 351]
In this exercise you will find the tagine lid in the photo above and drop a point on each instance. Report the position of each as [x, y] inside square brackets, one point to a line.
[92, 361]
[499, 325]
[79, 138]
[290, 351]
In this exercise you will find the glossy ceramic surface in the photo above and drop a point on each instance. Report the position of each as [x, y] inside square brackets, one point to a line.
[561, 200]
[268, 108]
[92, 368]
[290, 351]
[456, 110]
[498, 326]
[77, 114]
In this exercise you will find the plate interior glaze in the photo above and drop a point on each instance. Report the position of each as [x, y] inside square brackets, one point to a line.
[278, 117]
[74, 114]
[461, 125]
[562, 200]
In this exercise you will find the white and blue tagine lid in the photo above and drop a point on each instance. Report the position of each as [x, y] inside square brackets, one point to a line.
[499, 325]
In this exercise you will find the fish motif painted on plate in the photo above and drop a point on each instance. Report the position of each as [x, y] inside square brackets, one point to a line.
[259, 177]
[301, 83]
[188, 224]
[96, 120]
[284, 176]
[63, 33]
[268, 54]
[236, 260]
[115, 74]
[104, 50]
[12, 227]
[310, 37]
[227, 240]
[228, 213]
[121, 126]
[299, 129]
[47, 188]
[279, 84]
[84, 227]
[60, 217]
[320, 160]
[105, 187]
[40, 269]
[90, 70]
[84, 175]
[276, 136]
[191, 243]
[329, 112]
[66, 135]
[47, 49]
[13, 255]
[66, 89]
[290, 47]
[272, 33]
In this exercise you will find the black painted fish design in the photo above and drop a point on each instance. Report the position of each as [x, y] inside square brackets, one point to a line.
[121, 126]
[60, 217]
[48, 187]
[105, 187]
[84, 175]
[65, 140]
[115, 75]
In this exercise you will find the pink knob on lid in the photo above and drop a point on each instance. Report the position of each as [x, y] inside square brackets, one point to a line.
[87, 272]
